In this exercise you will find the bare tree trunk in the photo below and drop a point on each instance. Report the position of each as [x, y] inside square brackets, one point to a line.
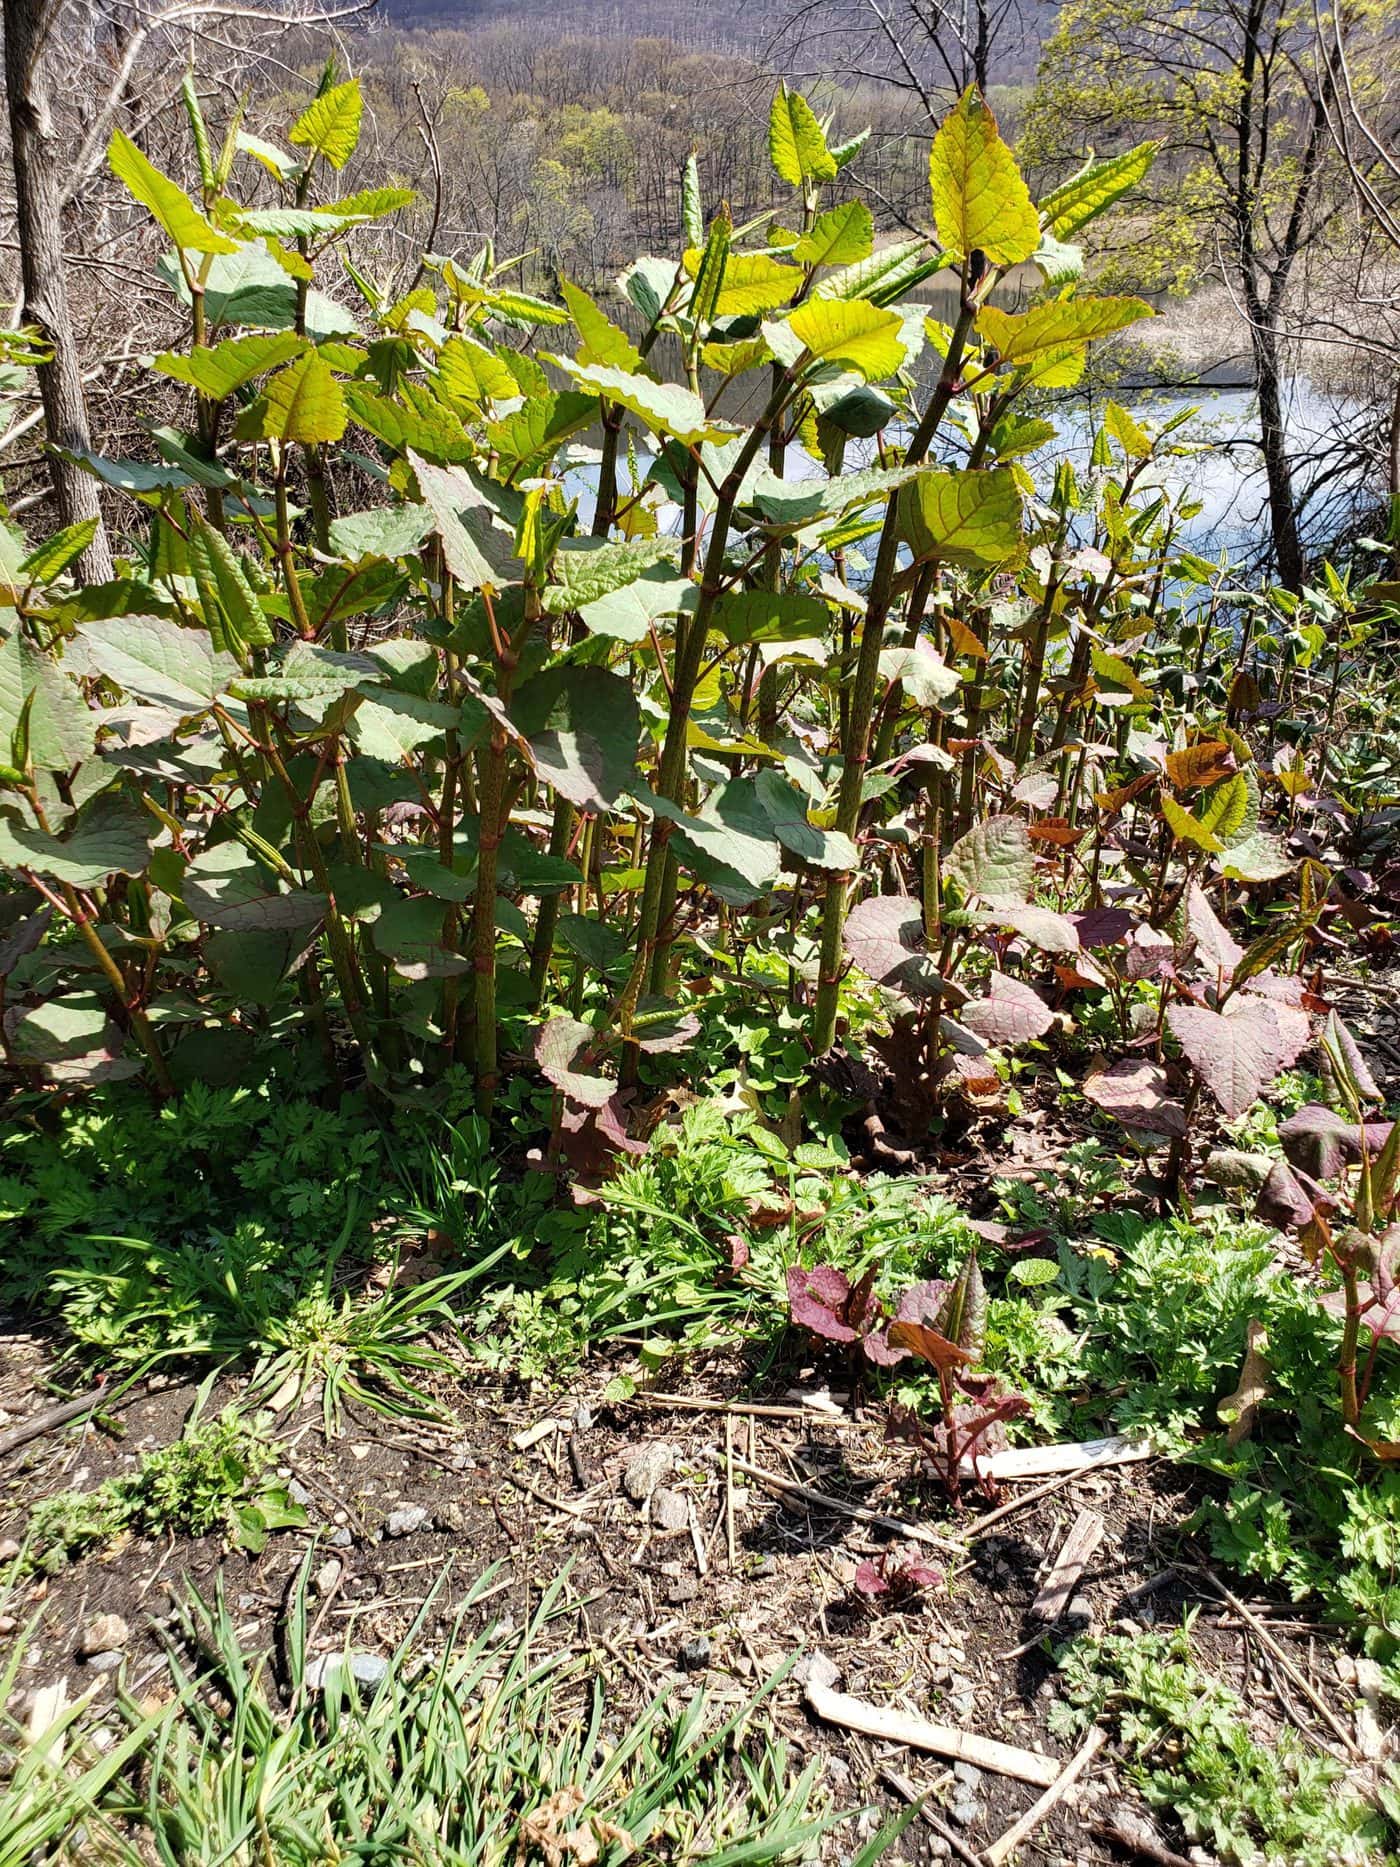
[40, 233]
[1283, 510]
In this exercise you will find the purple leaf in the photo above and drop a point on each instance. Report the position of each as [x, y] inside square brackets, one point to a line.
[1236, 1052]
[869, 1581]
[1103, 926]
[1134, 1092]
[1012, 1013]
[1321, 1142]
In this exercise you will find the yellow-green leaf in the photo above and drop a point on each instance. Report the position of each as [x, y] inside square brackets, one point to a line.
[971, 518]
[839, 237]
[330, 125]
[750, 283]
[471, 373]
[980, 200]
[1134, 441]
[304, 402]
[859, 335]
[1096, 187]
[1185, 827]
[175, 213]
[218, 370]
[602, 340]
[796, 142]
[1022, 336]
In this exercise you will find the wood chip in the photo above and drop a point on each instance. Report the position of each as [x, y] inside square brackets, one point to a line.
[1036, 1814]
[532, 1435]
[944, 1740]
[1085, 1535]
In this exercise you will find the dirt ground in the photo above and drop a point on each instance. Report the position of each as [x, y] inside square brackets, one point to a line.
[685, 1567]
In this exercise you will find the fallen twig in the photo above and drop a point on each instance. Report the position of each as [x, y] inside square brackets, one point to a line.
[1055, 1794]
[944, 1740]
[39, 1423]
[762, 1410]
[1089, 1455]
[858, 1513]
[1138, 1838]
[1286, 1666]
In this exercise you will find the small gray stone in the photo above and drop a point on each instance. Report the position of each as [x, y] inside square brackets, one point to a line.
[694, 1655]
[938, 1848]
[299, 1494]
[340, 1538]
[681, 1589]
[763, 1568]
[966, 1811]
[103, 1662]
[669, 1510]
[815, 1669]
[1080, 1610]
[583, 1418]
[407, 1520]
[967, 1775]
[1231, 1167]
[453, 1517]
[366, 1669]
[646, 1468]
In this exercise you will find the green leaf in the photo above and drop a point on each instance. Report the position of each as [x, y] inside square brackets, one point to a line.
[383, 532]
[589, 569]
[1022, 336]
[562, 1050]
[971, 518]
[664, 407]
[38, 701]
[218, 371]
[61, 1029]
[48, 561]
[730, 844]
[786, 808]
[923, 673]
[305, 403]
[171, 207]
[1259, 857]
[1115, 675]
[113, 837]
[583, 725]
[626, 613]
[230, 603]
[473, 374]
[840, 237]
[329, 127]
[247, 286]
[855, 334]
[747, 284]
[994, 861]
[744, 616]
[276, 161]
[450, 495]
[1186, 828]
[602, 341]
[227, 887]
[369, 204]
[796, 142]
[1096, 187]
[137, 477]
[980, 200]
[159, 661]
[398, 726]
[1135, 442]
[886, 276]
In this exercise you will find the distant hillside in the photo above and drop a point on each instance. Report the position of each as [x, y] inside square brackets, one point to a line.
[704, 25]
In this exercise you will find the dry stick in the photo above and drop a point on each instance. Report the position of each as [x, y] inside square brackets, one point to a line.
[903, 1787]
[1286, 1666]
[554, 1503]
[944, 1740]
[1140, 1840]
[729, 1490]
[687, 1403]
[1085, 1535]
[788, 1487]
[51, 1417]
[1058, 1483]
[1055, 1794]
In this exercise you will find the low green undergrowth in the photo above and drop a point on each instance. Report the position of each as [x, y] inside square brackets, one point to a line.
[217, 1478]
[1189, 1749]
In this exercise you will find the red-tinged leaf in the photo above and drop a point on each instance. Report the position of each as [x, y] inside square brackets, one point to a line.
[928, 1345]
[1135, 1093]
[1149, 960]
[1100, 927]
[1079, 975]
[1056, 833]
[1200, 765]
[1042, 927]
[1380, 1316]
[1315, 1237]
[1347, 1059]
[1038, 789]
[1012, 1013]
[1216, 948]
[563, 1050]
[869, 1581]
[1322, 1142]
[964, 640]
[590, 1140]
[1290, 1198]
[878, 1348]
[1113, 801]
[817, 1300]
[1386, 1450]
[885, 938]
[1236, 1052]
[738, 1252]
[962, 1317]
[921, 1302]
[975, 1077]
